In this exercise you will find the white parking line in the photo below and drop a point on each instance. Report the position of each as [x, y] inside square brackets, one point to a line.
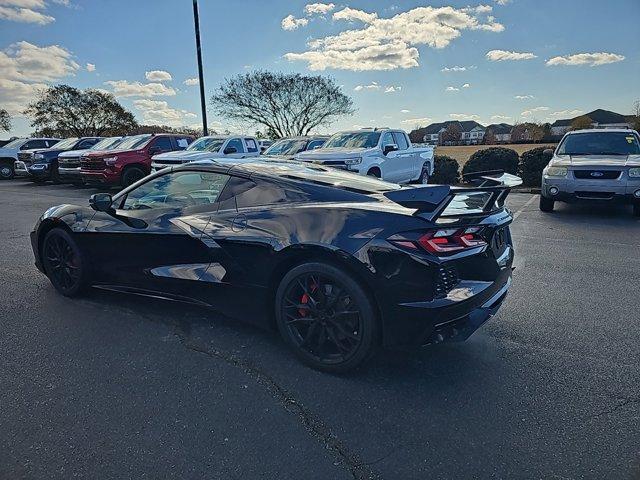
[521, 209]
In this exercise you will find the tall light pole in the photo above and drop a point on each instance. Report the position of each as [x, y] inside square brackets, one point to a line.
[196, 21]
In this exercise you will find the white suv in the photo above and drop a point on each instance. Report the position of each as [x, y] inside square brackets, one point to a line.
[9, 153]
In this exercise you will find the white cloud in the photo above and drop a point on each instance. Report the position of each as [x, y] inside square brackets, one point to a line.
[452, 89]
[502, 2]
[15, 95]
[566, 113]
[503, 55]
[456, 68]
[528, 113]
[291, 23]
[390, 43]
[124, 88]
[91, 67]
[318, 8]
[392, 89]
[159, 112]
[524, 97]
[28, 62]
[191, 82]
[591, 59]
[371, 86]
[405, 111]
[351, 14]
[416, 121]
[158, 76]
[500, 117]
[24, 15]
[464, 116]
[466, 85]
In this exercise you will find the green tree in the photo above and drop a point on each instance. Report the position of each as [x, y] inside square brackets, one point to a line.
[62, 110]
[5, 120]
[285, 104]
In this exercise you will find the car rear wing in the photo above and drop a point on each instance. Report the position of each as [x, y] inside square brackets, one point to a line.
[486, 194]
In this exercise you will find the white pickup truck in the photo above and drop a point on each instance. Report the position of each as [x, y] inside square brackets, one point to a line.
[380, 152]
[209, 148]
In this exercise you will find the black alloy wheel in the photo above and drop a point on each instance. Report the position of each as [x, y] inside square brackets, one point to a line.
[132, 175]
[326, 317]
[63, 263]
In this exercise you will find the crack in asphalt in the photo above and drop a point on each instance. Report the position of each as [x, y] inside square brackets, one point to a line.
[358, 469]
[618, 406]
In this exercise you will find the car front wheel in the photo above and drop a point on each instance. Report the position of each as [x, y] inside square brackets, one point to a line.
[424, 175]
[63, 262]
[6, 171]
[636, 209]
[546, 204]
[326, 317]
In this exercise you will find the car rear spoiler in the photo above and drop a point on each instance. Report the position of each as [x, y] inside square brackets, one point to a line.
[431, 201]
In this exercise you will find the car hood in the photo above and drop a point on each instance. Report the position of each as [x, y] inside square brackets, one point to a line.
[332, 153]
[597, 161]
[185, 156]
[73, 153]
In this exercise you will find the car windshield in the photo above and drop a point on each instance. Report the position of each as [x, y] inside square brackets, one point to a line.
[14, 143]
[107, 143]
[206, 144]
[600, 143]
[286, 147]
[353, 140]
[130, 143]
[65, 144]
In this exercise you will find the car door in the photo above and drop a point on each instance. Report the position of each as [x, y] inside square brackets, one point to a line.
[153, 241]
[238, 144]
[390, 167]
[405, 159]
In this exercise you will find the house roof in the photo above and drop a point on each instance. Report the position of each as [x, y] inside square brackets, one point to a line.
[500, 128]
[597, 116]
[465, 126]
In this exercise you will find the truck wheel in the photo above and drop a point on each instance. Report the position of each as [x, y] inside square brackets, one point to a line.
[546, 204]
[374, 172]
[424, 175]
[131, 175]
[636, 208]
[6, 171]
[55, 176]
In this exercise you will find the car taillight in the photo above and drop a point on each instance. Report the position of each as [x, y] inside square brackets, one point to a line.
[442, 241]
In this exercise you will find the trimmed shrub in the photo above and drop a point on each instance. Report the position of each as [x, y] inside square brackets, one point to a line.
[532, 163]
[446, 170]
[494, 158]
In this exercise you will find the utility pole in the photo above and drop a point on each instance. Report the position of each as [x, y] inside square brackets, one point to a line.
[196, 21]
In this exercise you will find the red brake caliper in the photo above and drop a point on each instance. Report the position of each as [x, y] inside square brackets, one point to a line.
[305, 299]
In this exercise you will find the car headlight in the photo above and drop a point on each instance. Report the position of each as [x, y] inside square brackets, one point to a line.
[634, 172]
[353, 161]
[556, 171]
[110, 160]
[38, 156]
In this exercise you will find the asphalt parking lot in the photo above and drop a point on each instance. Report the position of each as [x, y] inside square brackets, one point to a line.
[111, 386]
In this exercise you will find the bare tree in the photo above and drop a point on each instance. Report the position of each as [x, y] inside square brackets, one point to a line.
[62, 110]
[636, 115]
[5, 120]
[284, 104]
[452, 134]
[581, 123]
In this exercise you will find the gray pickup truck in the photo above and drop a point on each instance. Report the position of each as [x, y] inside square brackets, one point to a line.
[593, 165]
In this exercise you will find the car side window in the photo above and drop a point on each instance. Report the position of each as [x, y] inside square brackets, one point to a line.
[315, 143]
[177, 190]
[87, 144]
[182, 142]
[387, 139]
[31, 144]
[252, 147]
[401, 140]
[163, 143]
[237, 144]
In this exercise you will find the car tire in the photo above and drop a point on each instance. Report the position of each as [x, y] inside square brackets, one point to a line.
[636, 208]
[336, 331]
[546, 204]
[55, 176]
[374, 172]
[131, 175]
[64, 263]
[424, 175]
[6, 171]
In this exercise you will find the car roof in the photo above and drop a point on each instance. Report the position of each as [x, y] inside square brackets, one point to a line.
[601, 130]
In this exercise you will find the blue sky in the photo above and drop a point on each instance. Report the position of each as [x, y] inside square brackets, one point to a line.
[560, 57]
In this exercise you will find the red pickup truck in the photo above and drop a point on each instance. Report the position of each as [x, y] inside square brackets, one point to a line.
[131, 161]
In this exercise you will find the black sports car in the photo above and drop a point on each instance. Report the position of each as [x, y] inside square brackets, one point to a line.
[340, 263]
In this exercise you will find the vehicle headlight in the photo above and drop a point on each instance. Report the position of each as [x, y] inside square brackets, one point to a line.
[110, 160]
[353, 161]
[556, 171]
[634, 172]
[38, 156]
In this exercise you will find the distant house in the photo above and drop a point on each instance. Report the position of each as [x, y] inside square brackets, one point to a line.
[472, 133]
[599, 118]
[501, 132]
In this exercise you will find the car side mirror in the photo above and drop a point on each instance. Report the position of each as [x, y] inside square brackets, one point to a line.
[389, 148]
[101, 202]
[548, 152]
[154, 150]
[230, 150]
[317, 147]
